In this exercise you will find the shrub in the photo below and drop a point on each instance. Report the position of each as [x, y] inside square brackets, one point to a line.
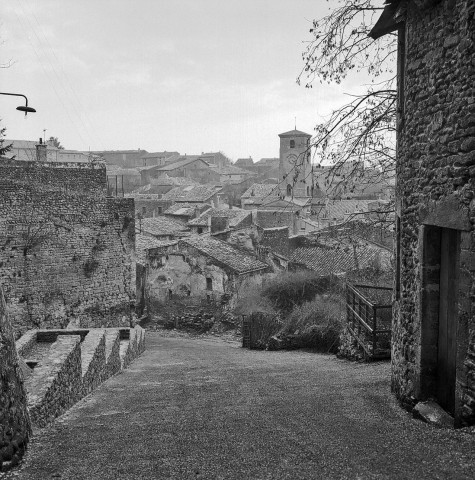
[316, 324]
[295, 288]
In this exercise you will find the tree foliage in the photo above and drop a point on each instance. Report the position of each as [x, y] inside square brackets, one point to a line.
[54, 142]
[4, 147]
[361, 132]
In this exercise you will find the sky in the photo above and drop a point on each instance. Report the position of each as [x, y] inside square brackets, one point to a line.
[190, 76]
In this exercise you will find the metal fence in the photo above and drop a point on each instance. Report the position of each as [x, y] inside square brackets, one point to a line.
[369, 315]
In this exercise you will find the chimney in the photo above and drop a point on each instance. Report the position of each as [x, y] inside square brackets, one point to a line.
[41, 151]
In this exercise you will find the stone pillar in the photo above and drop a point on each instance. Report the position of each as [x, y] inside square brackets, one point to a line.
[15, 426]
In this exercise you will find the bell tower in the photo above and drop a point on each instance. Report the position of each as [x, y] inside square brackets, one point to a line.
[295, 167]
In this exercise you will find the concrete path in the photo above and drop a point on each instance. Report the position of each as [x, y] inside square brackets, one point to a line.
[204, 409]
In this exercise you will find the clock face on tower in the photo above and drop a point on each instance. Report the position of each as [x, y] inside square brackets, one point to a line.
[292, 158]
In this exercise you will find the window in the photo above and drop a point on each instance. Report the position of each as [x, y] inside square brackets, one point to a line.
[144, 210]
[200, 230]
[292, 143]
[209, 284]
[289, 190]
[308, 191]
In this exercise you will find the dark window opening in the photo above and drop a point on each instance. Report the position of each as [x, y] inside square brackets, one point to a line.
[289, 190]
[292, 143]
[209, 284]
[308, 191]
[200, 230]
[144, 210]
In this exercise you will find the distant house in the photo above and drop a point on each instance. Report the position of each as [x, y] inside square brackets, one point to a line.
[237, 218]
[192, 167]
[325, 213]
[26, 150]
[257, 194]
[217, 158]
[195, 194]
[162, 184]
[200, 270]
[231, 174]
[162, 228]
[156, 159]
[340, 258]
[184, 212]
[244, 162]
[121, 158]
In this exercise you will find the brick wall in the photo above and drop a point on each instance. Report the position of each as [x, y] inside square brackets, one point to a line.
[65, 248]
[435, 190]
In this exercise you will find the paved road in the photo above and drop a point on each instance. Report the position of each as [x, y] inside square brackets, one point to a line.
[203, 409]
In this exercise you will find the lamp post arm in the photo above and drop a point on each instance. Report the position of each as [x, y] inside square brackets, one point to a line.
[16, 95]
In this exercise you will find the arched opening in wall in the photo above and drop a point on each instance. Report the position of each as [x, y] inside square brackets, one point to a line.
[292, 143]
[289, 190]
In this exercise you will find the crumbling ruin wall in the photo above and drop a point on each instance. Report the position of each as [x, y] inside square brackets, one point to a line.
[15, 426]
[66, 250]
[435, 187]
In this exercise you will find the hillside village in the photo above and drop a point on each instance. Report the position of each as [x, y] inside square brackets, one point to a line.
[346, 286]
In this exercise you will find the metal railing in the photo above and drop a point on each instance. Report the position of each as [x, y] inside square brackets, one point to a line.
[369, 316]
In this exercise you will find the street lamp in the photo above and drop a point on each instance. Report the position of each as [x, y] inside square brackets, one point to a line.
[22, 108]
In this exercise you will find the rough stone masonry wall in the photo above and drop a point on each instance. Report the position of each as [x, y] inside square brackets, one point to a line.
[435, 181]
[65, 248]
[15, 427]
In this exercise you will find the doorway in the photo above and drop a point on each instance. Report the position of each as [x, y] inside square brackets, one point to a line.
[448, 318]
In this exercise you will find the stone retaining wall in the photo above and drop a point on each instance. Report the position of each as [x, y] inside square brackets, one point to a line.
[76, 363]
[56, 384]
[93, 358]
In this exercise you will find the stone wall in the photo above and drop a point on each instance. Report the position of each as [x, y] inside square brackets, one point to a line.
[15, 426]
[66, 250]
[435, 190]
[56, 384]
[70, 364]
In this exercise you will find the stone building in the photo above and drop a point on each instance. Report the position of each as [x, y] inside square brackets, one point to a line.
[199, 269]
[433, 351]
[66, 249]
[295, 163]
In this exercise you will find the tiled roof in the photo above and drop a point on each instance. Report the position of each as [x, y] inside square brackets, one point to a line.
[274, 218]
[225, 253]
[180, 162]
[159, 154]
[339, 209]
[192, 193]
[236, 216]
[185, 209]
[340, 258]
[260, 190]
[274, 162]
[296, 133]
[144, 242]
[232, 170]
[162, 226]
[244, 162]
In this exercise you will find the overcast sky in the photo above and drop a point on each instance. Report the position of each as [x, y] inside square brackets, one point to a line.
[185, 75]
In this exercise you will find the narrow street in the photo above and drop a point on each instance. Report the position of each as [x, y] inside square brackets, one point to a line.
[207, 409]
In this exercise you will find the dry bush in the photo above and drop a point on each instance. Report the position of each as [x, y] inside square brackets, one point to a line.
[318, 323]
[295, 288]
